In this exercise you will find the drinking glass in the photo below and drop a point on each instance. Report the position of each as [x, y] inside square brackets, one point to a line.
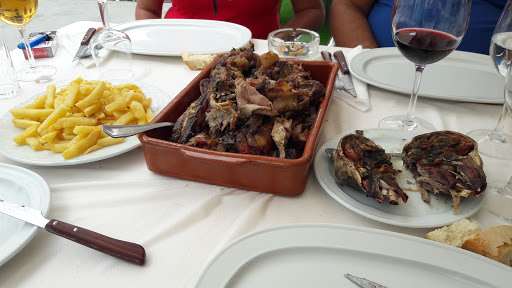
[19, 13]
[499, 201]
[9, 85]
[111, 50]
[496, 143]
[425, 32]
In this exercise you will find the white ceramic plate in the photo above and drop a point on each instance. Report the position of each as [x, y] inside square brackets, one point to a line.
[25, 154]
[318, 255]
[462, 76]
[414, 213]
[25, 187]
[170, 37]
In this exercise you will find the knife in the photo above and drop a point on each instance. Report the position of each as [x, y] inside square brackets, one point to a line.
[346, 78]
[37, 40]
[85, 42]
[127, 251]
[326, 55]
[362, 282]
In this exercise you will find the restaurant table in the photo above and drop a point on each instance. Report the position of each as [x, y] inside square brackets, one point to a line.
[182, 224]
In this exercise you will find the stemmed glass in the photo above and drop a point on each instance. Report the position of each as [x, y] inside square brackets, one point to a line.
[111, 50]
[19, 13]
[425, 32]
[496, 143]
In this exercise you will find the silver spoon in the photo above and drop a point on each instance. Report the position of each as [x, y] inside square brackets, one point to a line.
[330, 151]
[119, 131]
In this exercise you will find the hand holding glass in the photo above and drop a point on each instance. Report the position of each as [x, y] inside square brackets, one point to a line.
[425, 32]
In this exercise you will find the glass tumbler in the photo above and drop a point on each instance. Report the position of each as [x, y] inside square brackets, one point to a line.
[499, 202]
[9, 85]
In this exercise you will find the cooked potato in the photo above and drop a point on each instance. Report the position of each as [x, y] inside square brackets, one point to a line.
[68, 121]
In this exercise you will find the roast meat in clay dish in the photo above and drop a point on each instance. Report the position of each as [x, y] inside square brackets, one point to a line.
[445, 162]
[252, 104]
[365, 166]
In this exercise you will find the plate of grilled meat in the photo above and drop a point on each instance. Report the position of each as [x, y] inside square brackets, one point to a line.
[401, 178]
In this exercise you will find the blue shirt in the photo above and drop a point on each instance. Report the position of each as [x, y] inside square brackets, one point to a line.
[484, 16]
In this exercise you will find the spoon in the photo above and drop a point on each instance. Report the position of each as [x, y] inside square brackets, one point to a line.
[119, 131]
[330, 151]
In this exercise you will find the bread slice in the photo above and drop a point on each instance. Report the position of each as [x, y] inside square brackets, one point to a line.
[494, 242]
[455, 234]
[197, 61]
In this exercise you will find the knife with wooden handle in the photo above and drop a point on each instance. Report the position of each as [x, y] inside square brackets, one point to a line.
[127, 251]
[326, 55]
[84, 43]
[346, 78]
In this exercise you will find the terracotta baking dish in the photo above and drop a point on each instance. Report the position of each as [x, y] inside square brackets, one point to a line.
[251, 172]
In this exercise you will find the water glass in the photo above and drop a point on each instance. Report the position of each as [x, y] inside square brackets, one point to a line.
[9, 85]
[499, 202]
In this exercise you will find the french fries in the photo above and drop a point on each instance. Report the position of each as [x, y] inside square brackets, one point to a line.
[68, 121]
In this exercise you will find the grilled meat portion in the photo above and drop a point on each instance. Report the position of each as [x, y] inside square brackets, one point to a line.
[446, 162]
[364, 165]
[254, 104]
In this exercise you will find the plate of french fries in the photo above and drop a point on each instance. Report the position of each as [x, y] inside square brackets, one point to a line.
[63, 125]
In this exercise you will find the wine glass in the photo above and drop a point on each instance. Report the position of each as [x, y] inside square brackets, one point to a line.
[495, 143]
[499, 201]
[425, 32]
[19, 13]
[111, 50]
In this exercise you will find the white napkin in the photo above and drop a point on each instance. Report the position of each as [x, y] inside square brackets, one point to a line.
[71, 36]
[362, 102]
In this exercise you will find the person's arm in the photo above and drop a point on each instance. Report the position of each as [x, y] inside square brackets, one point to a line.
[149, 9]
[348, 22]
[308, 14]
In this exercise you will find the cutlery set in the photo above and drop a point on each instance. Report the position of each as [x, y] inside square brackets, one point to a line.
[343, 79]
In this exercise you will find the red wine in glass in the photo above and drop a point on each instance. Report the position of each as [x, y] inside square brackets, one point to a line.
[424, 46]
[425, 32]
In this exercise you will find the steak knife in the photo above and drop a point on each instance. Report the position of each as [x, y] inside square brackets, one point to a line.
[326, 55]
[346, 78]
[127, 251]
[362, 282]
[84, 43]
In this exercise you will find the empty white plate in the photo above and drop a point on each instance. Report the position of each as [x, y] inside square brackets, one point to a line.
[170, 37]
[461, 76]
[318, 255]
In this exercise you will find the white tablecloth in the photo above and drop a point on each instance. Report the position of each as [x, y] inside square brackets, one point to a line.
[180, 223]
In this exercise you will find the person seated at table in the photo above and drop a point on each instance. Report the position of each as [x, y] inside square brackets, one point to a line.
[260, 16]
[368, 23]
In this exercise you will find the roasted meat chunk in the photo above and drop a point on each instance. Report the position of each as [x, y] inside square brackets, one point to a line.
[364, 165]
[446, 162]
[252, 104]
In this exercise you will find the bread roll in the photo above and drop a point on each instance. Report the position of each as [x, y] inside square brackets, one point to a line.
[494, 242]
[455, 234]
[197, 61]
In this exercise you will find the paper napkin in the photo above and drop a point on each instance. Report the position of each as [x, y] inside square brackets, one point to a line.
[361, 102]
[71, 36]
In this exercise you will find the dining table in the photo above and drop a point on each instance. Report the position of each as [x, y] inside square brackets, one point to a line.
[183, 224]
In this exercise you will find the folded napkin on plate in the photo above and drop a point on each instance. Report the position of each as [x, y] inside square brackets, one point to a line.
[361, 102]
[71, 36]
